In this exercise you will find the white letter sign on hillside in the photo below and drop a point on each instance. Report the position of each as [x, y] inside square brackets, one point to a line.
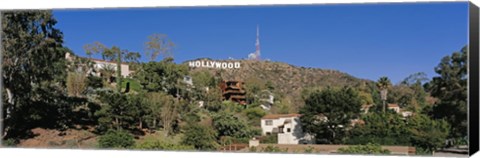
[214, 64]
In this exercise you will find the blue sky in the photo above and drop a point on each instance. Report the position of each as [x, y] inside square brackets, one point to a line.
[364, 40]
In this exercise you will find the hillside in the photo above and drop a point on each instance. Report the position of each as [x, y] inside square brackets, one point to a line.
[288, 80]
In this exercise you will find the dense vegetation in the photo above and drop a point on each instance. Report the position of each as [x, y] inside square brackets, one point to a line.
[364, 149]
[42, 89]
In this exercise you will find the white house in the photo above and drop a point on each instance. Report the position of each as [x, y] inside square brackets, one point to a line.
[365, 108]
[287, 126]
[407, 114]
[267, 103]
[394, 107]
[188, 80]
[99, 64]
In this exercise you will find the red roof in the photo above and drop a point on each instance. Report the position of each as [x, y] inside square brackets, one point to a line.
[277, 116]
[393, 105]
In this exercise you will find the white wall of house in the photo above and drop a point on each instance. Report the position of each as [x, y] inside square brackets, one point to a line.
[395, 108]
[99, 64]
[124, 67]
[291, 133]
[269, 124]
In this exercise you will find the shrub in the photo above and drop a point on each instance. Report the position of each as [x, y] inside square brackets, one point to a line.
[116, 139]
[200, 137]
[76, 84]
[422, 151]
[269, 139]
[10, 142]
[309, 150]
[94, 82]
[271, 148]
[364, 149]
[159, 145]
[252, 149]
[254, 115]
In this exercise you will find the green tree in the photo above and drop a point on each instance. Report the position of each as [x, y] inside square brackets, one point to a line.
[154, 101]
[116, 112]
[33, 57]
[163, 76]
[139, 108]
[164, 110]
[116, 139]
[384, 128]
[200, 137]
[254, 86]
[158, 44]
[428, 134]
[327, 113]
[226, 124]
[254, 115]
[169, 113]
[94, 48]
[401, 94]
[419, 77]
[366, 98]
[410, 93]
[451, 90]
[213, 99]
[283, 106]
[204, 79]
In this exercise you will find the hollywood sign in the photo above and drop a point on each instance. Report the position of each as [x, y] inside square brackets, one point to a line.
[214, 64]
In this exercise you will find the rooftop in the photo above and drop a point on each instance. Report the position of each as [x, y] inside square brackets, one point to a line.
[393, 105]
[277, 116]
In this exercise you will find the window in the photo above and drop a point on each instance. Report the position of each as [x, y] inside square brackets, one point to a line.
[268, 122]
[288, 130]
[268, 133]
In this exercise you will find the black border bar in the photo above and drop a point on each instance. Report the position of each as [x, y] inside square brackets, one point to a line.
[473, 98]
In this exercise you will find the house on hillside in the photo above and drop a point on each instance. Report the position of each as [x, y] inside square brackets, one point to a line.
[286, 126]
[365, 108]
[407, 114]
[188, 80]
[400, 111]
[234, 91]
[355, 122]
[266, 100]
[100, 64]
[394, 107]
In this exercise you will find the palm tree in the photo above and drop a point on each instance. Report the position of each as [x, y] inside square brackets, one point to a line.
[383, 84]
[107, 71]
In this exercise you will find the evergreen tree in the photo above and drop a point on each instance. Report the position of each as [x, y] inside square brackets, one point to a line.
[33, 59]
[200, 137]
[327, 113]
[451, 90]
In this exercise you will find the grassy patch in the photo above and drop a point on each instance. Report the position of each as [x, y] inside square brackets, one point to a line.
[160, 136]
[134, 84]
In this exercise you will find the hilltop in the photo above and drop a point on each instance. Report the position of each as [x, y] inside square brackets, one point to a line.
[287, 80]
